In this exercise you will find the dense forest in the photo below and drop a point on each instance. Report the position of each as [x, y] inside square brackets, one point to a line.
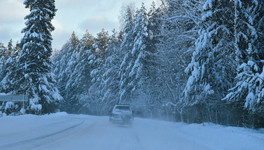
[191, 61]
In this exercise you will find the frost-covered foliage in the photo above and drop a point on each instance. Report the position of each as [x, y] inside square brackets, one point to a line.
[78, 70]
[111, 77]
[8, 63]
[138, 53]
[31, 74]
[176, 44]
[65, 63]
[96, 72]
[9, 70]
[125, 48]
[210, 74]
[80, 79]
[95, 90]
[139, 77]
[249, 53]
[217, 43]
[3, 58]
[5, 54]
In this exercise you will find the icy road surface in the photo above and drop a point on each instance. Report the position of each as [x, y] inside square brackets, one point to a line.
[62, 131]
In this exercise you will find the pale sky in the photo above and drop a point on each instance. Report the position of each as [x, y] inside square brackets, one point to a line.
[72, 15]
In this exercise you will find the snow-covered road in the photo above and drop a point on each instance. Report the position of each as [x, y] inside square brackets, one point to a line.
[62, 131]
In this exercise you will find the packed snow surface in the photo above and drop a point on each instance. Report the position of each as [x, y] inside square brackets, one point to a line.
[63, 131]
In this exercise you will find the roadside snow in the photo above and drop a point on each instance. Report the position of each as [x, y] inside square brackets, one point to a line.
[65, 131]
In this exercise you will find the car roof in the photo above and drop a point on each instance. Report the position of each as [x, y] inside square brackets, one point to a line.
[122, 105]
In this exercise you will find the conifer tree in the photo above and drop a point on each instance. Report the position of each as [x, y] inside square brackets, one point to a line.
[249, 88]
[10, 74]
[34, 66]
[2, 62]
[154, 70]
[80, 77]
[97, 70]
[126, 64]
[210, 75]
[111, 77]
[143, 70]
[138, 53]
[65, 64]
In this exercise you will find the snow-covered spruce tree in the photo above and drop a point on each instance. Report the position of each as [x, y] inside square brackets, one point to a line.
[2, 64]
[210, 70]
[142, 69]
[6, 85]
[3, 56]
[95, 92]
[10, 74]
[65, 63]
[10, 48]
[178, 33]
[71, 91]
[80, 77]
[138, 53]
[249, 88]
[6, 54]
[111, 77]
[126, 64]
[155, 18]
[34, 65]
[156, 88]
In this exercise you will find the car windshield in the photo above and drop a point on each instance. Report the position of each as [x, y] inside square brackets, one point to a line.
[123, 107]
